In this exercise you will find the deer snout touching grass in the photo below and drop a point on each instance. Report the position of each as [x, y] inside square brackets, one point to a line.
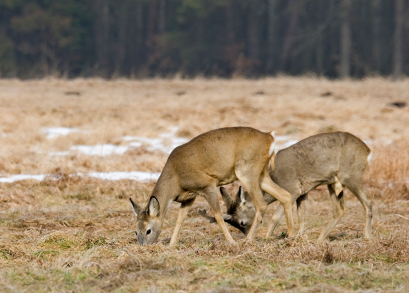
[337, 159]
[198, 167]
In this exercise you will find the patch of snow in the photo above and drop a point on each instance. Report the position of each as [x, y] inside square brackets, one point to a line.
[166, 142]
[281, 138]
[100, 149]
[285, 144]
[134, 175]
[171, 133]
[179, 140]
[63, 153]
[130, 137]
[283, 141]
[20, 177]
[135, 144]
[53, 132]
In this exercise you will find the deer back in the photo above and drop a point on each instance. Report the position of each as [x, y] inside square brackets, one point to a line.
[316, 161]
[209, 159]
[311, 162]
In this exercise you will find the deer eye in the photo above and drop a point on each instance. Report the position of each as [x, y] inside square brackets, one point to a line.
[148, 232]
[136, 233]
[242, 223]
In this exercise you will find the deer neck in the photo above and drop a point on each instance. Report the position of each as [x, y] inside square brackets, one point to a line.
[166, 190]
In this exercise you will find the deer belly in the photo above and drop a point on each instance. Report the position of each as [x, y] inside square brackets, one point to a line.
[186, 197]
[227, 180]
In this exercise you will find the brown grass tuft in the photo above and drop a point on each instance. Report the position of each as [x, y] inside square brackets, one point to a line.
[388, 171]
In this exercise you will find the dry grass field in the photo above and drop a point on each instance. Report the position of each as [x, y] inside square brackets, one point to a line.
[74, 233]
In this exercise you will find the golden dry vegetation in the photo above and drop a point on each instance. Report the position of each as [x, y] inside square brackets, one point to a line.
[75, 234]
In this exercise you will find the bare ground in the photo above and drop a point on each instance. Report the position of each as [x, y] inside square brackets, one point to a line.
[76, 234]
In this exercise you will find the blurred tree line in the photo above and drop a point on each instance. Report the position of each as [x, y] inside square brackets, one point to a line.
[143, 38]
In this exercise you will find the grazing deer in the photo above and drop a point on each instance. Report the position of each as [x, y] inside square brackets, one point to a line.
[337, 159]
[212, 159]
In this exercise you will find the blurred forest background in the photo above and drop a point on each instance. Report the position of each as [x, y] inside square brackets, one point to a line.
[145, 38]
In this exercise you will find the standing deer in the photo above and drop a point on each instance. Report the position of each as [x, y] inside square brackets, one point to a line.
[212, 159]
[337, 159]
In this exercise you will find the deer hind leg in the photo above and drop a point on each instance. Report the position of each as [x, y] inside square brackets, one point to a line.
[301, 213]
[279, 212]
[338, 210]
[184, 209]
[212, 196]
[301, 209]
[283, 196]
[358, 190]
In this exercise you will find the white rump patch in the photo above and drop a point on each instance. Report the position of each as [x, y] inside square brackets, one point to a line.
[273, 145]
[369, 157]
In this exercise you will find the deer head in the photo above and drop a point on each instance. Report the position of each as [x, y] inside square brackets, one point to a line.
[240, 211]
[149, 223]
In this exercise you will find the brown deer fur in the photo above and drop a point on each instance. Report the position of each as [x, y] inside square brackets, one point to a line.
[337, 159]
[198, 167]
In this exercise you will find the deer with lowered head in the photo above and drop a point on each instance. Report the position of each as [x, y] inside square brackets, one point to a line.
[337, 159]
[198, 167]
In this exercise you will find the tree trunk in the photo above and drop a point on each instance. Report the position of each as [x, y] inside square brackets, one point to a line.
[320, 16]
[397, 39]
[152, 21]
[120, 46]
[376, 43]
[272, 35]
[345, 66]
[139, 52]
[102, 37]
[289, 38]
[253, 34]
[230, 24]
[162, 16]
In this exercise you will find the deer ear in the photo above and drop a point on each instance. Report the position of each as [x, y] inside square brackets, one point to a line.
[241, 195]
[204, 214]
[226, 198]
[153, 207]
[136, 209]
